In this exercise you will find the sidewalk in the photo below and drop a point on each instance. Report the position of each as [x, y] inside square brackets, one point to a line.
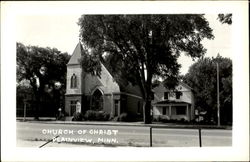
[51, 120]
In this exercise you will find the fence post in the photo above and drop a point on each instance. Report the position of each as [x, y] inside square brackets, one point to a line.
[150, 130]
[200, 137]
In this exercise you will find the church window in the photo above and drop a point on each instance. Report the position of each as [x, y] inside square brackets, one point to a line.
[97, 100]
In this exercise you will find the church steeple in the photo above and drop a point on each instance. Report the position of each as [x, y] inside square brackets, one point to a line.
[74, 60]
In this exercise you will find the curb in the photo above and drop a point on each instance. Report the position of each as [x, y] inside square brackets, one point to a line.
[138, 124]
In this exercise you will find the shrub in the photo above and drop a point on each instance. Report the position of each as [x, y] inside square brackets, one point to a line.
[60, 117]
[193, 121]
[90, 115]
[156, 119]
[96, 115]
[111, 118]
[65, 113]
[123, 117]
[77, 117]
[163, 119]
[173, 120]
[127, 117]
[106, 116]
[182, 120]
[102, 116]
[116, 118]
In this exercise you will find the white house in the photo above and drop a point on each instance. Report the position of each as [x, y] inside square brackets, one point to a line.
[173, 104]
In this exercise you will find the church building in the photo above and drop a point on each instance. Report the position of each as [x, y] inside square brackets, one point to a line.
[98, 93]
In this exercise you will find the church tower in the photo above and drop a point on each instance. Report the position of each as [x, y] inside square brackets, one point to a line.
[74, 87]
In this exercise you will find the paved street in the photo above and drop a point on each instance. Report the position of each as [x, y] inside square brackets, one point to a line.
[34, 134]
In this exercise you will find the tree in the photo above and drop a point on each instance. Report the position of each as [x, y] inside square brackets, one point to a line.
[202, 77]
[141, 48]
[31, 58]
[225, 18]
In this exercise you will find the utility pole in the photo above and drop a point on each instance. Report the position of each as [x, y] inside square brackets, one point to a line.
[218, 94]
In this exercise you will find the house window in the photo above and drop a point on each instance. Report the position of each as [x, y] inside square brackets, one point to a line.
[181, 110]
[73, 81]
[165, 95]
[164, 110]
[73, 106]
[178, 95]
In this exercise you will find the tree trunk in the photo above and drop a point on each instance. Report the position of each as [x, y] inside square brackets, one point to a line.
[148, 98]
[147, 110]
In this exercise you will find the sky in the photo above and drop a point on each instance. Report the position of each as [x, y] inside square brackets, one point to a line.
[62, 32]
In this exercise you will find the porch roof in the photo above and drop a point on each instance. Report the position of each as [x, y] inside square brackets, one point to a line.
[173, 102]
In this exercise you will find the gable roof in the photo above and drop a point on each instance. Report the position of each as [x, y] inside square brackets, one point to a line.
[74, 60]
[180, 83]
[185, 85]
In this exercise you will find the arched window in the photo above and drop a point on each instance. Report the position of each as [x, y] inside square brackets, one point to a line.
[73, 81]
[97, 100]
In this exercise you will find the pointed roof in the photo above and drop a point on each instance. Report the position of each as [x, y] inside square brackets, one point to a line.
[74, 60]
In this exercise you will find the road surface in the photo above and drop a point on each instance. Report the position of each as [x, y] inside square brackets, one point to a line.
[34, 134]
